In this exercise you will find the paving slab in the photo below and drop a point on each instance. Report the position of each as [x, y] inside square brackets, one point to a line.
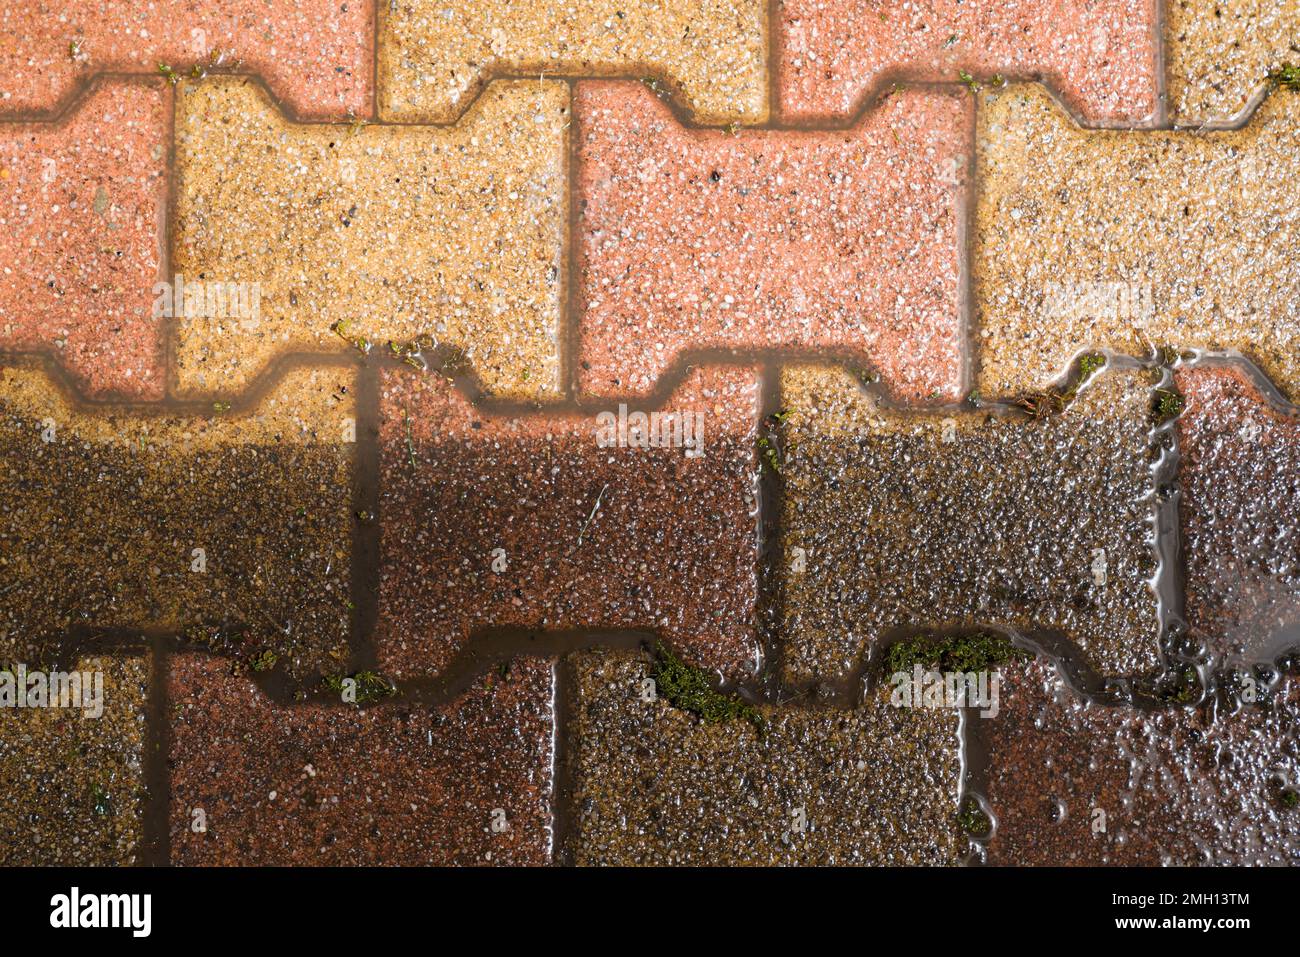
[1067, 257]
[436, 55]
[570, 520]
[316, 54]
[847, 242]
[254, 782]
[232, 526]
[1078, 784]
[897, 519]
[1240, 515]
[1100, 55]
[655, 785]
[1219, 53]
[81, 237]
[354, 236]
[74, 792]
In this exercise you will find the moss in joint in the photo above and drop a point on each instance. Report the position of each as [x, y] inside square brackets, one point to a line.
[369, 686]
[978, 652]
[972, 819]
[1168, 405]
[689, 689]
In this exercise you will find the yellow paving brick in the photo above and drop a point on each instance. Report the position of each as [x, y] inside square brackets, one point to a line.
[74, 789]
[230, 525]
[435, 55]
[398, 232]
[1129, 240]
[1218, 54]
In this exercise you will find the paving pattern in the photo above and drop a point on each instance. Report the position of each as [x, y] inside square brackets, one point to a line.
[675, 432]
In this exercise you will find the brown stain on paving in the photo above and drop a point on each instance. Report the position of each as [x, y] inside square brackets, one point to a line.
[103, 509]
[964, 518]
[331, 785]
[74, 791]
[591, 537]
[1240, 515]
[1177, 787]
[653, 785]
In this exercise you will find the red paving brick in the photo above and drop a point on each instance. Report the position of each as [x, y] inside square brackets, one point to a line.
[331, 784]
[81, 226]
[589, 537]
[315, 54]
[1100, 55]
[846, 242]
[1240, 515]
[1174, 786]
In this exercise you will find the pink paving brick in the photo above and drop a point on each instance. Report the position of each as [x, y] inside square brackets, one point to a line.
[316, 55]
[81, 235]
[524, 521]
[1100, 55]
[1240, 515]
[844, 242]
[330, 784]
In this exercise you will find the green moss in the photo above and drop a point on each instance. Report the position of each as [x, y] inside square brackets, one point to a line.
[768, 455]
[264, 661]
[689, 689]
[978, 652]
[1287, 76]
[1168, 404]
[168, 73]
[968, 81]
[972, 819]
[1184, 688]
[370, 686]
[1289, 799]
[1090, 364]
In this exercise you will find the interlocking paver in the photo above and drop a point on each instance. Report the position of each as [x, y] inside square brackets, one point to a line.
[233, 526]
[314, 53]
[74, 789]
[374, 233]
[1125, 240]
[1100, 55]
[435, 55]
[329, 784]
[1240, 515]
[528, 521]
[81, 206]
[899, 519]
[655, 785]
[1219, 54]
[846, 242]
[1072, 783]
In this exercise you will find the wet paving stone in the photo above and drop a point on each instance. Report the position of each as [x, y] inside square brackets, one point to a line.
[355, 236]
[1219, 54]
[436, 55]
[1066, 258]
[895, 519]
[845, 242]
[1072, 783]
[81, 238]
[1240, 516]
[559, 521]
[316, 54]
[74, 791]
[330, 784]
[232, 526]
[1101, 55]
[656, 785]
